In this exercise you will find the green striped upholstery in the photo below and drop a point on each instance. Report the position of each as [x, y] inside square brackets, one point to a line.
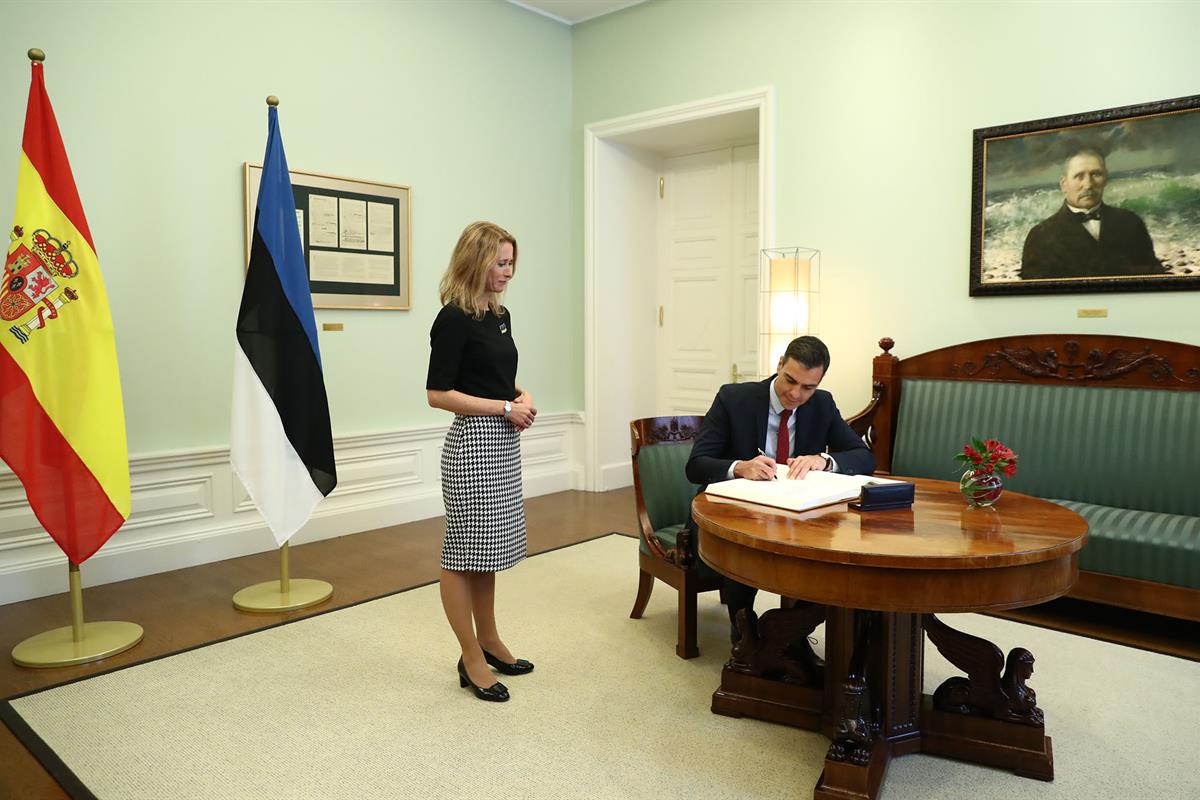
[1124, 459]
[1164, 548]
[667, 492]
[665, 488]
[1127, 448]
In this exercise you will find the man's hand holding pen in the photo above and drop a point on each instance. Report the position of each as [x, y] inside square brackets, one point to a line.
[759, 468]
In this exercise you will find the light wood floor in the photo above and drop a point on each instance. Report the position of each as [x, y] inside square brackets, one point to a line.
[191, 607]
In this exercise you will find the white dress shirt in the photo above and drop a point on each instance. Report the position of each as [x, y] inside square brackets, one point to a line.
[1092, 225]
[773, 414]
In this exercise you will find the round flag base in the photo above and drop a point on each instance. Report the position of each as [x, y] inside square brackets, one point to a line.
[266, 597]
[58, 648]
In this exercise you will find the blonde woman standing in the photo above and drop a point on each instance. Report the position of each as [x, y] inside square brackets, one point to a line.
[473, 373]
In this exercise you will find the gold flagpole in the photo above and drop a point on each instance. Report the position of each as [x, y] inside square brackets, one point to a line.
[286, 594]
[79, 642]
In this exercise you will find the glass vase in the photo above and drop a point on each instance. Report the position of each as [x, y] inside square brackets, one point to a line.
[981, 491]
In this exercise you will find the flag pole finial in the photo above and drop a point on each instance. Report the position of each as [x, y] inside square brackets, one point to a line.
[272, 100]
[36, 55]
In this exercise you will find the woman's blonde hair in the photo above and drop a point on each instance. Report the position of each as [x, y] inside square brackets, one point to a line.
[466, 277]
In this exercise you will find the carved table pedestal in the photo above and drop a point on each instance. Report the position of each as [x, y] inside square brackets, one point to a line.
[877, 579]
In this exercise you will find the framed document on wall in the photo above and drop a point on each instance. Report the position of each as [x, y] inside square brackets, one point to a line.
[356, 235]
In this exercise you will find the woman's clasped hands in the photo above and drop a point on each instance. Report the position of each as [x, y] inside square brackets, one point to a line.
[523, 411]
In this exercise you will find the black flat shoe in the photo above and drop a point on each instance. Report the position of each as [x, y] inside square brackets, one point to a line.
[518, 667]
[496, 693]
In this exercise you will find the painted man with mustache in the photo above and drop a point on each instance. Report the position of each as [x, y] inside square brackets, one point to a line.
[1085, 238]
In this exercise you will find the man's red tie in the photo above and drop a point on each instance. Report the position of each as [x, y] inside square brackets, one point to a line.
[783, 447]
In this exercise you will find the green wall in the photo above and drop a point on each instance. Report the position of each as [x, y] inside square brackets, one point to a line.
[161, 103]
[876, 106]
[480, 106]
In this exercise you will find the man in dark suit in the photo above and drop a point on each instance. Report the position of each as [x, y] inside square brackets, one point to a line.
[784, 419]
[1085, 238]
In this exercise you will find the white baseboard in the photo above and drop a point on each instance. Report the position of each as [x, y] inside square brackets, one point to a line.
[189, 508]
[616, 476]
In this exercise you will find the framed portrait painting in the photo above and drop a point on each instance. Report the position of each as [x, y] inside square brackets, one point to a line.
[1104, 201]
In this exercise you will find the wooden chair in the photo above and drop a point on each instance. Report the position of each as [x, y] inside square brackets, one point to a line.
[660, 447]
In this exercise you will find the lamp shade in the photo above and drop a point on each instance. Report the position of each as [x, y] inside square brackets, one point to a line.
[789, 281]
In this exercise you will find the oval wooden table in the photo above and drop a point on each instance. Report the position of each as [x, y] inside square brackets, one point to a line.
[877, 579]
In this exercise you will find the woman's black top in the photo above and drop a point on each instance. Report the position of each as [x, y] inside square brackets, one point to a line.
[474, 356]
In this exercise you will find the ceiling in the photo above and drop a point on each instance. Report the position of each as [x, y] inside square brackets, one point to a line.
[570, 12]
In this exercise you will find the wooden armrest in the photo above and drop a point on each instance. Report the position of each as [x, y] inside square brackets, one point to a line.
[862, 422]
[680, 555]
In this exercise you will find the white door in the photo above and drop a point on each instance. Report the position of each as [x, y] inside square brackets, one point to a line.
[707, 280]
[744, 232]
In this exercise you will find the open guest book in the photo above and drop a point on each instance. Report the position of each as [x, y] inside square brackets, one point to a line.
[814, 490]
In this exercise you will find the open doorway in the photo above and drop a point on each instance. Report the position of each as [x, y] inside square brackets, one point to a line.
[677, 203]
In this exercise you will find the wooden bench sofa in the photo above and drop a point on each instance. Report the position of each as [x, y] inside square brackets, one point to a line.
[1108, 426]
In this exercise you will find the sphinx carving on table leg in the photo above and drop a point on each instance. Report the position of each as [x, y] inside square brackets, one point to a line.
[852, 736]
[854, 732]
[985, 691]
[776, 645]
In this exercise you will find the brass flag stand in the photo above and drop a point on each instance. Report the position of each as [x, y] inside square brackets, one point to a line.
[79, 642]
[284, 594]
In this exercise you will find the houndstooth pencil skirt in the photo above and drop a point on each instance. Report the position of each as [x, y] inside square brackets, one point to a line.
[481, 487]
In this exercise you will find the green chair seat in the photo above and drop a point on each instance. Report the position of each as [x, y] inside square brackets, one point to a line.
[668, 537]
[1164, 548]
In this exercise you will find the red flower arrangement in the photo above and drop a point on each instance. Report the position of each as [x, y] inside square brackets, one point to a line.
[988, 457]
[985, 461]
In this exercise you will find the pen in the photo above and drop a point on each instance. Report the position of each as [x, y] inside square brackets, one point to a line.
[761, 453]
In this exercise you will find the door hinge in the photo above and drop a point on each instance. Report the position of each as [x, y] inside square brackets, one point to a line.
[662, 186]
[660, 316]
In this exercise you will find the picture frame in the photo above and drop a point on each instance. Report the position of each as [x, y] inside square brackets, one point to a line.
[356, 235]
[1143, 172]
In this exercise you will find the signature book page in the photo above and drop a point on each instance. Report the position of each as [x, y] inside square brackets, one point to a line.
[814, 490]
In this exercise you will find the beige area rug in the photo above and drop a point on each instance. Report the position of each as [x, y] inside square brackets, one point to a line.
[365, 703]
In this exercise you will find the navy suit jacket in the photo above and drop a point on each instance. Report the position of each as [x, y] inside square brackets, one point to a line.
[736, 427]
[1060, 247]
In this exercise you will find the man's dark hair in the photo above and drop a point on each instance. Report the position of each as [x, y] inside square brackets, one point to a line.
[808, 351]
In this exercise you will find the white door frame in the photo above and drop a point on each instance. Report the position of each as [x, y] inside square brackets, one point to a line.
[762, 100]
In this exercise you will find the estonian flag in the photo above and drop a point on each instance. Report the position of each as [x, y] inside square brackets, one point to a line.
[281, 444]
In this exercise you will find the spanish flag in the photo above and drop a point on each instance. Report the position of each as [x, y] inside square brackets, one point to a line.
[60, 391]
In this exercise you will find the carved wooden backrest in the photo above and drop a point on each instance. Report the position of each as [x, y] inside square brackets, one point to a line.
[659, 430]
[1052, 359]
